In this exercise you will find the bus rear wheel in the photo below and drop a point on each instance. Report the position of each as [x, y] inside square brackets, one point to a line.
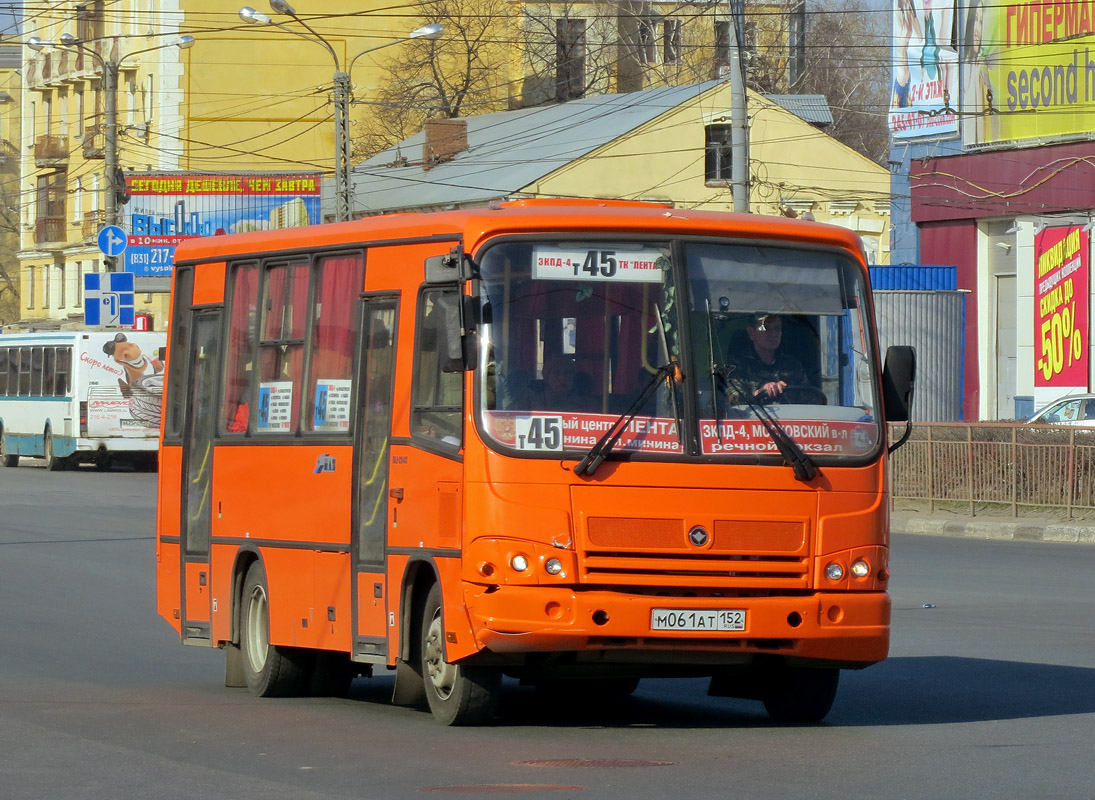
[457, 694]
[801, 694]
[8, 459]
[53, 462]
[269, 670]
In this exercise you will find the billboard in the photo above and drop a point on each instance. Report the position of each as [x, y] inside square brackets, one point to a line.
[1062, 330]
[165, 208]
[1028, 70]
[924, 96]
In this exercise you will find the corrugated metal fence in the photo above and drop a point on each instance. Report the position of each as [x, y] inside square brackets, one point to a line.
[996, 468]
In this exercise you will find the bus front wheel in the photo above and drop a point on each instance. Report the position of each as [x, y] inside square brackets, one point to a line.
[8, 459]
[457, 694]
[269, 670]
[801, 694]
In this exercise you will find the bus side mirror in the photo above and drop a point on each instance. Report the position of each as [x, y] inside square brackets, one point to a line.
[898, 381]
[445, 269]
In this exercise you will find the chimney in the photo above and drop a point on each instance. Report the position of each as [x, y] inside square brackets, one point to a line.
[444, 139]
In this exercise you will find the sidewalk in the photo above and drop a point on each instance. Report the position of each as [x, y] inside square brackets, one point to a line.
[1025, 529]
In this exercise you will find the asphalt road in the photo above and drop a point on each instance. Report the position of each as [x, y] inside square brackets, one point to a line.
[989, 692]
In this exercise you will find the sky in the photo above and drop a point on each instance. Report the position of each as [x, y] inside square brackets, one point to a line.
[9, 19]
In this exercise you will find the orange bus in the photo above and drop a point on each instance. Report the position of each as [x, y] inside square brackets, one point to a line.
[534, 440]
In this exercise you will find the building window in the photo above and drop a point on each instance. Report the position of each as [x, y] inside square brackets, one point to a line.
[722, 43]
[570, 59]
[718, 155]
[30, 287]
[50, 221]
[62, 285]
[648, 40]
[671, 41]
[796, 42]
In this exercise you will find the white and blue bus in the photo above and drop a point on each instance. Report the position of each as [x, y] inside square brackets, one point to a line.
[80, 396]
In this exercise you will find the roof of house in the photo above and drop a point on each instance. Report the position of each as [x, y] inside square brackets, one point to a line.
[812, 108]
[508, 150]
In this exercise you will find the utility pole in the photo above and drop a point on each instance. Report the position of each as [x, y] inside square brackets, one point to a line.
[344, 194]
[739, 117]
[110, 138]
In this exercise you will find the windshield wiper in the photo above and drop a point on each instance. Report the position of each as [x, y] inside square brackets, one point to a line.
[803, 466]
[668, 372]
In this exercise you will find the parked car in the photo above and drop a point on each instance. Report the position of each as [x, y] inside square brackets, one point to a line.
[1076, 409]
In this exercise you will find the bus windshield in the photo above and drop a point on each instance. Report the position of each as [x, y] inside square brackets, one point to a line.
[574, 333]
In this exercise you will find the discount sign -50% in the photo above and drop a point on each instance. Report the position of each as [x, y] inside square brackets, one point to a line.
[1061, 342]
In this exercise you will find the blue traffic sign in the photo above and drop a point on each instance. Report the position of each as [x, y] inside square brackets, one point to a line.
[110, 305]
[112, 240]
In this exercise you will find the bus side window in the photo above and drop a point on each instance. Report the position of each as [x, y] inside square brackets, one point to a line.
[339, 280]
[3, 370]
[437, 396]
[241, 331]
[281, 347]
[64, 369]
[24, 372]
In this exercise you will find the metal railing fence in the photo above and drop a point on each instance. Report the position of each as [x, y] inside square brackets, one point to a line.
[996, 468]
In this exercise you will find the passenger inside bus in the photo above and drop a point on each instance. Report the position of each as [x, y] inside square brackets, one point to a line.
[564, 387]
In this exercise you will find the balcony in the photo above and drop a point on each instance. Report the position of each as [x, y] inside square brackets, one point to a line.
[94, 144]
[93, 221]
[49, 230]
[9, 154]
[50, 151]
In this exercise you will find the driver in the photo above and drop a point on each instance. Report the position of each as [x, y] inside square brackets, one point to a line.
[762, 369]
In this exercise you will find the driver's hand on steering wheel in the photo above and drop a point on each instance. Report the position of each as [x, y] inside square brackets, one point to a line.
[771, 389]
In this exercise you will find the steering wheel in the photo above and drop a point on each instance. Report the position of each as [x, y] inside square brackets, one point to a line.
[801, 393]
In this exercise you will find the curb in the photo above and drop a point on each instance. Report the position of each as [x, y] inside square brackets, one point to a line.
[995, 529]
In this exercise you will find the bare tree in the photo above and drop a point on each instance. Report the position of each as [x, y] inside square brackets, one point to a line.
[461, 74]
[848, 61]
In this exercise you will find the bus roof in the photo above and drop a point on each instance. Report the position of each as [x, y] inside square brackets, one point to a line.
[474, 225]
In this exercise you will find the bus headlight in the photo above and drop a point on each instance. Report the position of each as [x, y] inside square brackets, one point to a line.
[834, 571]
[519, 562]
[860, 568]
[553, 566]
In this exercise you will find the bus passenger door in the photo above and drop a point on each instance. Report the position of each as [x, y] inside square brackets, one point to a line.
[197, 475]
[371, 459]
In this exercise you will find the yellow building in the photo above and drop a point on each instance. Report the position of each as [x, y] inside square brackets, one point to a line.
[667, 144]
[10, 118]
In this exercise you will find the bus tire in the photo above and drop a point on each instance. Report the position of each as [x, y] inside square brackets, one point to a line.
[9, 459]
[457, 694]
[802, 694]
[269, 670]
[54, 463]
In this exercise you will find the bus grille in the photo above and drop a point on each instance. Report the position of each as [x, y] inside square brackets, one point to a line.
[758, 554]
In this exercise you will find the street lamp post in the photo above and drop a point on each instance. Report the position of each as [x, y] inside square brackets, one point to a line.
[111, 70]
[341, 93]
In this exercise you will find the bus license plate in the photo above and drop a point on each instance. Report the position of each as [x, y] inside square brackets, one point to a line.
[688, 619]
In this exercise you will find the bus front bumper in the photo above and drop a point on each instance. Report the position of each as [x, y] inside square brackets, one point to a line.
[850, 628]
